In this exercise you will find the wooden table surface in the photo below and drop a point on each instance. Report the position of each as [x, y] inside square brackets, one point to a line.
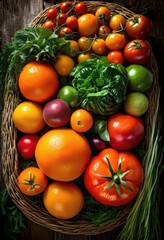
[15, 15]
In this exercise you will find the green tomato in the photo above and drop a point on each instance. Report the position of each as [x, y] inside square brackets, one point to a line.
[140, 78]
[70, 95]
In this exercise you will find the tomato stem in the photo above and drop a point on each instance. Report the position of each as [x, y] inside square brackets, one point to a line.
[31, 182]
[116, 178]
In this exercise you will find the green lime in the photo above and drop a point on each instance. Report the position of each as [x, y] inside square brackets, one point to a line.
[136, 104]
[140, 78]
[69, 94]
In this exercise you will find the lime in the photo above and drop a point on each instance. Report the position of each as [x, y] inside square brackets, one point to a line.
[140, 78]
[136, 104]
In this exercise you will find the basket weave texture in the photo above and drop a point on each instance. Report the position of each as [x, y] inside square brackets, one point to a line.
[10, 154]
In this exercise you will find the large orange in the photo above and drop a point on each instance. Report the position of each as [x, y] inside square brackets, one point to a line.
[38, 81]
[62, 154]
[28, 117]
[88, 25]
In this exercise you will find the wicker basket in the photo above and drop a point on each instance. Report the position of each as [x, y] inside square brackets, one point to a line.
[10, 155]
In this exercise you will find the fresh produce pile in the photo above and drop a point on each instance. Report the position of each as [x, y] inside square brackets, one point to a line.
[83, 82]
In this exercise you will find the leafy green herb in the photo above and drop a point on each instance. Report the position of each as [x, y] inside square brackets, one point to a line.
[29, 44]
[101, 86]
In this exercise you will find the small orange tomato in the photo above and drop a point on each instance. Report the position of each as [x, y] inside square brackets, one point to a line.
[103, 31]
[32, 181]
[49, 24]
[117, 22]
[74, 48]
[84, 43]
[115, 41]
[63, 200]
[103, 14]
[83, 57]
[99, 47]
[81, 120]
[115, 57]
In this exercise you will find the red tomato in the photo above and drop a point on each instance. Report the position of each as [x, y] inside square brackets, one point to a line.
[52, 13]
[125, 131]
[26, 146]
[61, 19]
[65, 32]
[115, 57]
[49, 24]
[113, 178]
[65, 7]
[137, 51]
[32, 181]
[138, 27]
[80, 8]
[72, 22]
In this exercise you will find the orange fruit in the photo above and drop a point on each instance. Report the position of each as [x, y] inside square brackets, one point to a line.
[88, 25]
[38, 81]
[62, 154]
[81, 120]
[64, 65]
[27, 117]
[63, 200]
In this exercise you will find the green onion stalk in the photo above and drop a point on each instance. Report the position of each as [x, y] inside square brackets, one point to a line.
[143, 221]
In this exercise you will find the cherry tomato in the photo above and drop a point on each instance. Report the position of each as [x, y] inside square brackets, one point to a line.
[117, 22]
[99, 47]
[115, 57]
[61, 19]
[49, 25]
[113, 178]
[125, 131]
[52, 13]
[72, 22]
[138, 27]
[26, 145]
[103, 31]
[103, 15]
[137, 51]
[65, 32]
[32, 181]
[115, 41]
[80, 8]
[65, 7]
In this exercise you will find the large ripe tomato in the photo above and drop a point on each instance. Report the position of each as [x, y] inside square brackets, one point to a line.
[137, 51]
[125, 131]
[26, 145]
[32, 181]
[63, 200]
[138, 27]
[113, 178]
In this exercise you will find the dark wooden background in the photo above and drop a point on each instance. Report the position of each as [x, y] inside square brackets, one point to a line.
[16, 14]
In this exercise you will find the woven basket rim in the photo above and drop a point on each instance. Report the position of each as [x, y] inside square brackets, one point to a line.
[10, 154]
